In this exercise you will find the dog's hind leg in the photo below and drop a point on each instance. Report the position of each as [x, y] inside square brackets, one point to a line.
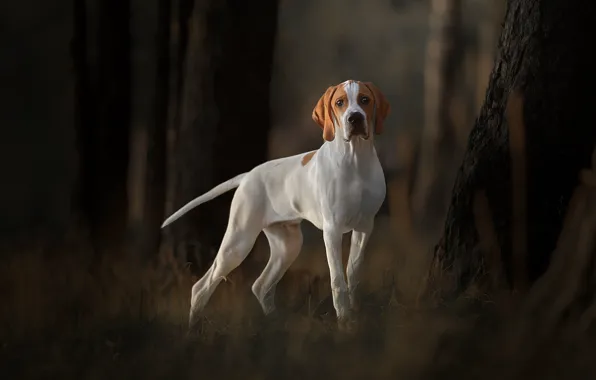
[285, 240]
[243, 228]
[234, 249]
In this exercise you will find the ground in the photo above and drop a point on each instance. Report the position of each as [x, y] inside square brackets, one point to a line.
[67, 315]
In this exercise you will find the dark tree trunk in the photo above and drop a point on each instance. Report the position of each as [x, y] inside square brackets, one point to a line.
[488, 30]
[150, 30]
[37, 119]
[102, 56]
[82, 103]
[221, 127]
[444, 53]
[545, 61]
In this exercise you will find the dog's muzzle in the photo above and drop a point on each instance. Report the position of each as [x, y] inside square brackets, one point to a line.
[357, 125]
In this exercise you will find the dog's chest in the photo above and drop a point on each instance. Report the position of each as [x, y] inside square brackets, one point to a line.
[353, 200]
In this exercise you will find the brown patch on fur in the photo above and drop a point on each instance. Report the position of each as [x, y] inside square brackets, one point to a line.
[369, 108]
[322, 114]
[307, 157]
[382, 106]
[327, 107]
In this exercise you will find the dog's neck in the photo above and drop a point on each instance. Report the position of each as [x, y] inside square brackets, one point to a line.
[357, 151]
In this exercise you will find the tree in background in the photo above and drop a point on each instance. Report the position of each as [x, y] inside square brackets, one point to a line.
[444, 53]
[150, 25]
[172, 98]
[101, 53]
[487, 37]
[222, 117]
[533, 136]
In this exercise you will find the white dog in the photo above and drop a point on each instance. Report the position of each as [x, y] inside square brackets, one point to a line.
[339, 188]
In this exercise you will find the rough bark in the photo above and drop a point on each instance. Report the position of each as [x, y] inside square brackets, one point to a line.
[563, 301]
[444, 53]
[543, 57]
[487, 37]
[223, 119]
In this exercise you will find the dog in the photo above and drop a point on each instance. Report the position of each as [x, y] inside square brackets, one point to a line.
[339, 188]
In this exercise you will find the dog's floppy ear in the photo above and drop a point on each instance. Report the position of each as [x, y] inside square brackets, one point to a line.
[382, 107]
[322, 114]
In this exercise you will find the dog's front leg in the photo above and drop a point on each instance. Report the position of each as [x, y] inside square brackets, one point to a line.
[358, 244]
[339, 289]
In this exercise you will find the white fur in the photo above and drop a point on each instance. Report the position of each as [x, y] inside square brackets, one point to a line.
[340, 190]
[352, 89]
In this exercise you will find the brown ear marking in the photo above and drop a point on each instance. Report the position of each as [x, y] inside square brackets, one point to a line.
[322, 114]
[382, 107]
[307, 157]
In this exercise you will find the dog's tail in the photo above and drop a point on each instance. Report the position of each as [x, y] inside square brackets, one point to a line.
[213, 193]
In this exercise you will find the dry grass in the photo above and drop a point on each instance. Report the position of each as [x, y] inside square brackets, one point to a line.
[70, 316]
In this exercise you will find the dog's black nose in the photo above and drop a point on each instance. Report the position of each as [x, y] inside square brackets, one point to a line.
[356, 118]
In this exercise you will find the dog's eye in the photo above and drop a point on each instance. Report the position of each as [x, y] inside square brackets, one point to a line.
[364, 100]
[339, 102]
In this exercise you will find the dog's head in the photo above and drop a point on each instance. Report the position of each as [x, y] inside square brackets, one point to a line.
[351, 110]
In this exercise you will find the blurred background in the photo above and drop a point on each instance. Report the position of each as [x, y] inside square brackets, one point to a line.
[117, 112]
[102, 99]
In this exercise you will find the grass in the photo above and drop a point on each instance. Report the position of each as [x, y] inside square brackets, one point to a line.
[71, 316]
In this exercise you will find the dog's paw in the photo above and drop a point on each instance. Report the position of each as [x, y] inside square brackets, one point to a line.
[348, 324]
[194, 329]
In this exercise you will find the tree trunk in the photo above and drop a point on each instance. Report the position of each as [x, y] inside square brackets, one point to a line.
[438, 142]
[528, 159]
[150, 26]
[37, 120]
[487, 37]
[102, 52]
[223, 120]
